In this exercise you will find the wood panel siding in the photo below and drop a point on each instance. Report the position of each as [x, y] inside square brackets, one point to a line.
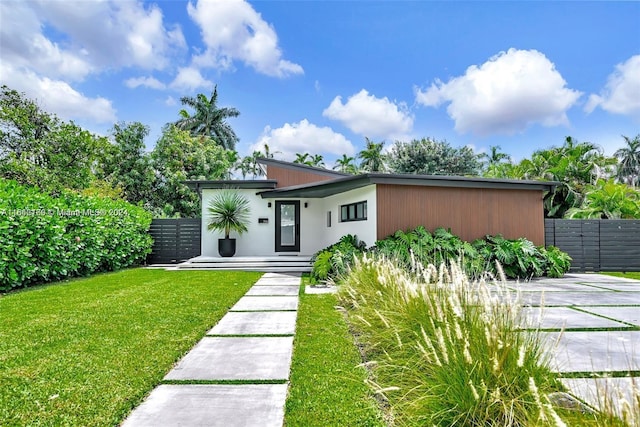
[470, 213]
[288, 177]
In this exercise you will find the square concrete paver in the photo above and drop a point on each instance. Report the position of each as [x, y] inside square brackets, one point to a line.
[281, 276]
[594, 351]
[605, 393]
[624, 314]
[217, 358]
[256, 323]
[619, 287]
[278, 282]
[595, 278]
[274, 290]
[565, 317]
[211, 405]
[580, 298]
[266, 304]
[554, 287]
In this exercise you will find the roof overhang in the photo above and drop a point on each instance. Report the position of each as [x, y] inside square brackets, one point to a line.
[257, 184]
[335, 186]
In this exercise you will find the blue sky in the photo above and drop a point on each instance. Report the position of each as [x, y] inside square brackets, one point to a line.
[319, 76]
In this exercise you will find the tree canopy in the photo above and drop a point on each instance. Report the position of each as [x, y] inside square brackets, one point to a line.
[427, 156]
[39, 149]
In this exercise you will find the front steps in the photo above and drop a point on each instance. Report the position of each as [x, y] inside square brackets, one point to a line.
[272, 264]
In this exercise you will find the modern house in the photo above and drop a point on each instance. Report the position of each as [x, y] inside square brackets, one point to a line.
[298, 209]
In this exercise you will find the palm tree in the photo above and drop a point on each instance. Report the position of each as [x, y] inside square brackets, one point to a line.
[372, 157]
[629, 157]
[302, 158]
[346, 164]
[317, 160]
[495, 156]
[208, 119]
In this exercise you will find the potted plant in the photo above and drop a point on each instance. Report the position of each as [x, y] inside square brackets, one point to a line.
[228, 211]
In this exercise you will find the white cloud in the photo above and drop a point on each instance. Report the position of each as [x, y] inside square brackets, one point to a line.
[91, 36]
[150, 82]
[24, 45]
[233, 30]
[505, 95]
[369, 116]
[57, 96]
[303, 137]
[170, 101]
[621, 94]
[189, 79]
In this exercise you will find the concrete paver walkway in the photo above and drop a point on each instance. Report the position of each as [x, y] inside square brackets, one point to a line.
[591, 323]
[599, 318]
[251, 344]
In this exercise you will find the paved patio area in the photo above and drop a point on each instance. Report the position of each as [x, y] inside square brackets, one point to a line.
[599, 318]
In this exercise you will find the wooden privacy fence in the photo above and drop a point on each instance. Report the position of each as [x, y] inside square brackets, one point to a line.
[596, 245]
[174, 240]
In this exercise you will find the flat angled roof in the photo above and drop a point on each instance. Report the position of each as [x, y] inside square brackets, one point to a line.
[340, 185]
[260, 184]
[301, 167]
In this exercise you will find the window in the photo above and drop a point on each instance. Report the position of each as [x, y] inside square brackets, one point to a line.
[353, 212]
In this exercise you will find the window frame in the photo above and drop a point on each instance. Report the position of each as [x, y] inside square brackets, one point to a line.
[349, 211]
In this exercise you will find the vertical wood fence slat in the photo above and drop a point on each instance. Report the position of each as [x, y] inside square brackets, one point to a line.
[174, 240]
[597, 245]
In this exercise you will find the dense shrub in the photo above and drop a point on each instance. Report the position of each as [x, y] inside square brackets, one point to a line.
[519, 258]
[45, 238]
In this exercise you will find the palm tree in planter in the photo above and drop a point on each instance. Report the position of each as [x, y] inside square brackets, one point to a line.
[228, 211]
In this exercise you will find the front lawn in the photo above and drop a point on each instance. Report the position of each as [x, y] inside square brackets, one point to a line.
[629, 275]
[86, 352]
[327, 386]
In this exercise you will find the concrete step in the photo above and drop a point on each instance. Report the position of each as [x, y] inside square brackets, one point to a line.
[273, 264]
[247, 267]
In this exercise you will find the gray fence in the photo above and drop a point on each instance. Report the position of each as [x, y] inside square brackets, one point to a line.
[174, 240]
[597, 245]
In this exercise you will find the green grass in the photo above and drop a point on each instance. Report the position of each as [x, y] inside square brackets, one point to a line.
[629, 275]
[327, 386]
[86, 352]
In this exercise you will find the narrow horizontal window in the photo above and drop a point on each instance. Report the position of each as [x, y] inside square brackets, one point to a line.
[353, 212]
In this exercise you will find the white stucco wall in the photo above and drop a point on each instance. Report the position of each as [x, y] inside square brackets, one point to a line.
[314, 233]
[365, 230]
[257, 241]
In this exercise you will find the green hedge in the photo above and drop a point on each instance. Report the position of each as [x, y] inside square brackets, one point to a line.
[45, 238]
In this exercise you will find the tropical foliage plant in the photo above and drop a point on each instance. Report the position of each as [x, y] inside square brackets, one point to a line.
[228, 211]
[335, 260]
[574, 165]
[515, 258]
[608, 200]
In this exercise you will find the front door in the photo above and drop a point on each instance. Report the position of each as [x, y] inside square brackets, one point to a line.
[288, 226]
